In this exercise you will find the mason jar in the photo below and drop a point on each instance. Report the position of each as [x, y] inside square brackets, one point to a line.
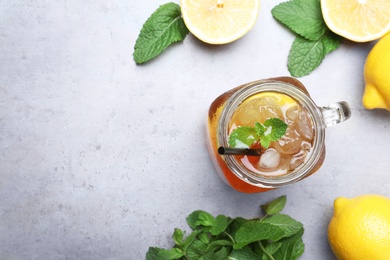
[297, 155]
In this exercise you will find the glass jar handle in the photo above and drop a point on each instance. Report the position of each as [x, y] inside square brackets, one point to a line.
[335, 113]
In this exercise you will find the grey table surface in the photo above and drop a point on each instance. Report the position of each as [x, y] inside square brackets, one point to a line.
[101, 158]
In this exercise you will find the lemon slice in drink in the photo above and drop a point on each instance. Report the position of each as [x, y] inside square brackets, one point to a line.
[219, 21]
[357, 20]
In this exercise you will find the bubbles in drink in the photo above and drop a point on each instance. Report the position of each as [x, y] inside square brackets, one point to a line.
[289, 152]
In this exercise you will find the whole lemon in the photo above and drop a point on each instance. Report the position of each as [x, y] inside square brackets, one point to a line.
[377, 76]
[360, 228]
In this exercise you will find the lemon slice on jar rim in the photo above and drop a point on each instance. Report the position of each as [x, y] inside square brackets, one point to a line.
[219, 21]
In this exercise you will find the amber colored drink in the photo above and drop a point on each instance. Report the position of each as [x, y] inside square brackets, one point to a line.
[301, 147]
[288, 153]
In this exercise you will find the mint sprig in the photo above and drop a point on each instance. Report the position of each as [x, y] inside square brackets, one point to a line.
[163, 28]
[273, 236]
[306, 55]
[313, 39]
[244, 136]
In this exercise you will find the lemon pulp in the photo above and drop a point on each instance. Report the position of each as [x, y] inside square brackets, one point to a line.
[219, 21]
[357, 20]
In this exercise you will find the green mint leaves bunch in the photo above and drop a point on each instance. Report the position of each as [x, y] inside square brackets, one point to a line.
[244, 136]
[274, 236]
[163, 28]
[313, 39]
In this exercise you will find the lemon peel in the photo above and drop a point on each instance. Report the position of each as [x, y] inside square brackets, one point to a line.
[377, 76]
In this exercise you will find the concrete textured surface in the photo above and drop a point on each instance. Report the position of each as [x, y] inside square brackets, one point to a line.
[101, 158]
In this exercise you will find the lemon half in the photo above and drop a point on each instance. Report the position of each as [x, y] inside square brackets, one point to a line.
[357, 20]
[219, 21]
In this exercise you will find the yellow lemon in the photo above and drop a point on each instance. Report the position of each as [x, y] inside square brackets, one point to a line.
[377, 76]
[219, 21]
[360, 228]
[357, 20]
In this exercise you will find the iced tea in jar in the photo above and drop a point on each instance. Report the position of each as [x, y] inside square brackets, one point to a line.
[297, 154]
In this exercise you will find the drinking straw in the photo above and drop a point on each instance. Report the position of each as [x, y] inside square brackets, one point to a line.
[238, 151]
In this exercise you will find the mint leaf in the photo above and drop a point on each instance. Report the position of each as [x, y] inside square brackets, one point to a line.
[289, 225]
[243, 137]
[200, 218]
[178, 236]
[220, 224]
[245, 253]
[274, 130]
[190, 239]
[260, 129]
[164, 27]
[207, 256]
[298, 247]
[236, 224]
[168, 254]
[271, 249]
[196, 250]
[275, 206]
[331, 41]
[292, 247]
[255, 230]
[304, 17]
[218, 243]
[152, 253]
[305, 56]
[221, 254]
[204, 237]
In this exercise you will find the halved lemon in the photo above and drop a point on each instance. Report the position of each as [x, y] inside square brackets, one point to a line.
[357, 20]
[219, 21]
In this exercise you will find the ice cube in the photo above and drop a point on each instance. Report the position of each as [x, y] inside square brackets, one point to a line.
[290, 143]
[299, 158]
[292, 113]
[296, 160]
[269, 159]
[305, 126]
[246, 114]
